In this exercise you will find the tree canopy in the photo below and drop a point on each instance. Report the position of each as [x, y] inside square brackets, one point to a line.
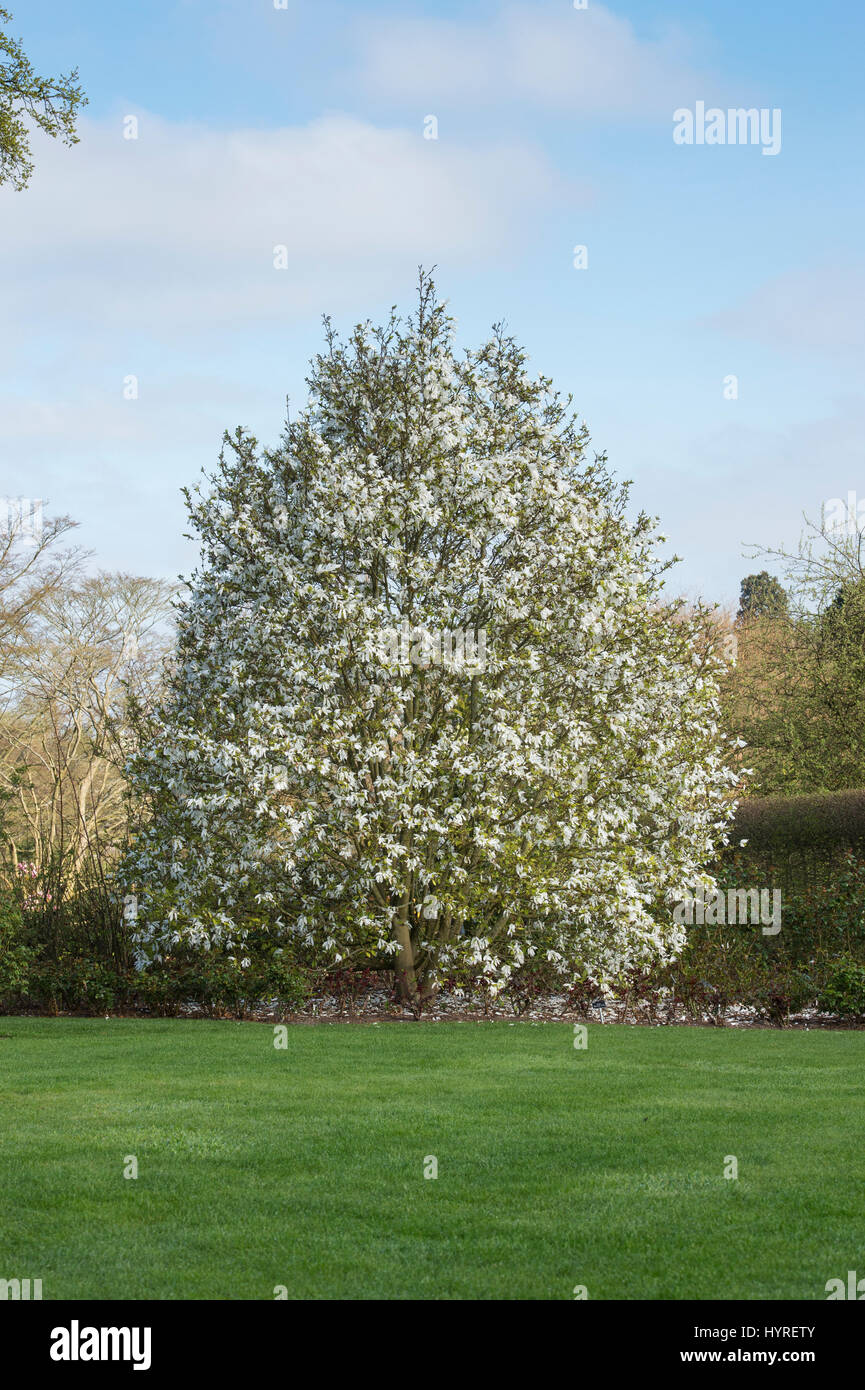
[762, 595]
[341, 757]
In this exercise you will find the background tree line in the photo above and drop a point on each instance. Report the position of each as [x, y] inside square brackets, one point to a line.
[797, 690]
[76, 649]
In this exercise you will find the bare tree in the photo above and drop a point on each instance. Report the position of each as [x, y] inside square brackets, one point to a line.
[89, 645]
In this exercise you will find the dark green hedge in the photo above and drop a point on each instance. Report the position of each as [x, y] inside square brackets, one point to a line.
[797, 840]
[828, 821]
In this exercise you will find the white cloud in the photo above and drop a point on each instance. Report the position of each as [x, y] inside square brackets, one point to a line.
[588, 61]
[175, 231]
[820, 309]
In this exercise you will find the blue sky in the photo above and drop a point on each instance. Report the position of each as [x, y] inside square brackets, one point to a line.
[304, 127]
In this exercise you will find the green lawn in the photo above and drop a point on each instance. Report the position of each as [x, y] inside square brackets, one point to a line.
[304, 1167]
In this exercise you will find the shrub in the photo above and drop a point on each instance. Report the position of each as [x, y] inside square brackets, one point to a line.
[843, 990]
[347, 982]
[65, 961]
[16, 956]
[76, 985]
[530, 981]
[222, 984]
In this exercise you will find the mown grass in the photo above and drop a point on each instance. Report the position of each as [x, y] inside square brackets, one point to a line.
[303, 1167]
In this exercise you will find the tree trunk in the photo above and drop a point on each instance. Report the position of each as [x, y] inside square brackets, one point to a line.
[405, 964]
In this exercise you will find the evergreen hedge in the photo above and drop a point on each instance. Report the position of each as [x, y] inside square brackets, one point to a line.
[799, 840]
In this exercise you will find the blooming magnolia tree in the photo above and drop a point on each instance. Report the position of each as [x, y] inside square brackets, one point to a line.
[429, 707]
